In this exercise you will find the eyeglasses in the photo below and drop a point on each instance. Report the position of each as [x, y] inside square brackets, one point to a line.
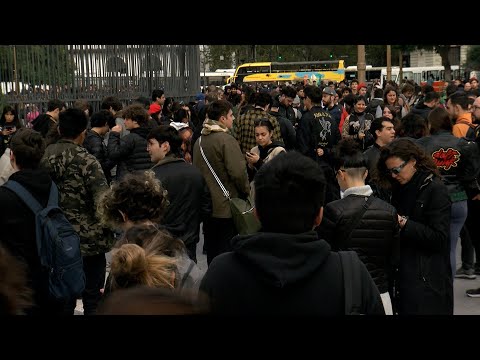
[398, 169]
[475, 107]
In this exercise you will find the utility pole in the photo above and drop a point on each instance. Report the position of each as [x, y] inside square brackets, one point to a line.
[389, 62]
[361, 65]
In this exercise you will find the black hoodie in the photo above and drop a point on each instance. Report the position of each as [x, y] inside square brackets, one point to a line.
[281, 274]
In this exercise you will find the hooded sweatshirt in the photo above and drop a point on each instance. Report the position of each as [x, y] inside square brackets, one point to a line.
[281, 274]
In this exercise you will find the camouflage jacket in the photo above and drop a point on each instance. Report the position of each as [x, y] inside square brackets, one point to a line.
[80, 180]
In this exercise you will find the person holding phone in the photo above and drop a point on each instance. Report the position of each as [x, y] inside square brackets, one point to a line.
[9, 124]
[423, 205]
[266, 149]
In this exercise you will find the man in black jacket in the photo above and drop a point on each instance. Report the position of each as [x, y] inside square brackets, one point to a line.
[188, 194]
[317, 135]
[130, 151]
[17, 221]
[44, 122]
[285, 269]
[94, 140]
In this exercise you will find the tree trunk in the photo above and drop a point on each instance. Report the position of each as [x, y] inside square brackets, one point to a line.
[444, 51]
[361, 65]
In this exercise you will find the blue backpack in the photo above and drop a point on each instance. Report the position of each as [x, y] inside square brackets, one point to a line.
[58, 244]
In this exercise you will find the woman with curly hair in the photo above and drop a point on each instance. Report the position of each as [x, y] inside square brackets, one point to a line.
[423, 204]
[136, 205]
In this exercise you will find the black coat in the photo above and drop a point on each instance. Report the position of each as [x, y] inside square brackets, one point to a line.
[425, 281]
[43, 123]
[130, 151]
[282, 274]
[189, 197]
[457, 161]
[287, 130]
[318, 130]
[375, 239]
[94, 144]
[18, 234]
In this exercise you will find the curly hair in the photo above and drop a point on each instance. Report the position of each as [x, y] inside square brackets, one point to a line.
[133, 265]
[406, 150]
[140, 196]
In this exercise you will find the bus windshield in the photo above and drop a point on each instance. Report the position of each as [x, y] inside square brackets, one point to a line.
[300, 71]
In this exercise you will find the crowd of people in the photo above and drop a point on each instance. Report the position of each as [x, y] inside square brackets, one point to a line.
[390, 174]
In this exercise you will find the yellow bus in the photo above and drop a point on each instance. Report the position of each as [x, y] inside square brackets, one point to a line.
[300, 71]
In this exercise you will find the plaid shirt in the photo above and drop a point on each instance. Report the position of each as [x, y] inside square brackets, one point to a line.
[245, 129]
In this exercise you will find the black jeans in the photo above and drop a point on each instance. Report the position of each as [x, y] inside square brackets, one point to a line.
[217, 235]
[94, 267]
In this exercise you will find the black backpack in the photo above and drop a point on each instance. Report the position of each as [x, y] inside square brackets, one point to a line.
[58, 244]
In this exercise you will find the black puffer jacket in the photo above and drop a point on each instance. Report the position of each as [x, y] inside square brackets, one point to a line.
[375, 239]
[130, 151]
[94, 144]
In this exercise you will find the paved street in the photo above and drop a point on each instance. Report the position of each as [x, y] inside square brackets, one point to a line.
[463, 305]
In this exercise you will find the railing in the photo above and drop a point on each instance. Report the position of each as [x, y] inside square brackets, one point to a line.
[32, 75]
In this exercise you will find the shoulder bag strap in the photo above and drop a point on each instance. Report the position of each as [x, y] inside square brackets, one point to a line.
[225, 191]
[185, 276]
[353, 223]
[470, 125]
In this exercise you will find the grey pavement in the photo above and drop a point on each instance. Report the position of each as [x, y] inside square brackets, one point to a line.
[463, 305]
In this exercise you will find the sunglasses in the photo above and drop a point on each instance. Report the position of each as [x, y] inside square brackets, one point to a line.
[398, 169]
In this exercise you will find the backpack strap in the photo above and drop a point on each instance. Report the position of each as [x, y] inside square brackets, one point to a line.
[351, 282]
[472, 126]
[25, 195]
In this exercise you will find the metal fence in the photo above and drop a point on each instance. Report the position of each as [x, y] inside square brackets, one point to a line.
[31, 75]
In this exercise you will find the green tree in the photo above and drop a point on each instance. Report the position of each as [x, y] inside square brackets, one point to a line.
[444, 52]
[35, 64]
[473, 58]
